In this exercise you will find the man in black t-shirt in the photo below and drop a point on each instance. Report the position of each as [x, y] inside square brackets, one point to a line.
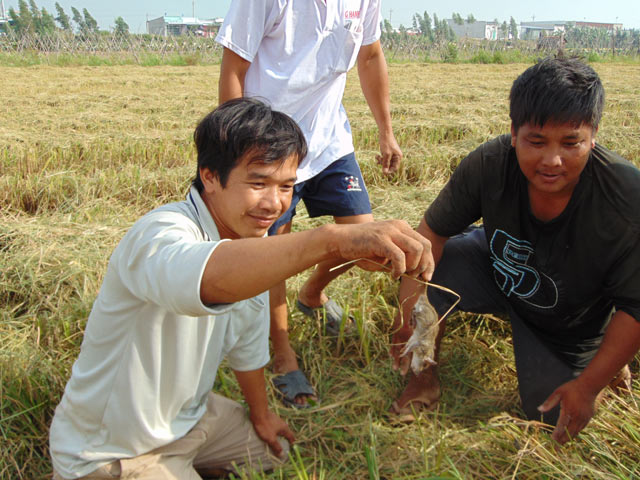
[558, 249]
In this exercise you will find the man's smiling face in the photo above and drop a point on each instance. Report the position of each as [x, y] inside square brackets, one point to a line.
[553, 156]
[255, 195]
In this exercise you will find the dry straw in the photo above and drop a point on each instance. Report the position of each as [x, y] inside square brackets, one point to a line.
[85, 151]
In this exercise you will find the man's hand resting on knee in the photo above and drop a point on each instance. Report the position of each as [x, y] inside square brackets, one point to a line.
[269, 427]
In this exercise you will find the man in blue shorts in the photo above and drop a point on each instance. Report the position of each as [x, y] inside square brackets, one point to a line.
[558, 250]
[296, 55]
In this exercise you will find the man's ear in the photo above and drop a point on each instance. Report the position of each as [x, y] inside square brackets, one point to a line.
[513, 135]
[593, 137]
[210, 180]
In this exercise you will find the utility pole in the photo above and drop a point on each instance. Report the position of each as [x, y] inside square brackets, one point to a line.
[2, 13]
[193, 8]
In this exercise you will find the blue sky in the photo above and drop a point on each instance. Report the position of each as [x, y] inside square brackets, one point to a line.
[136, 13]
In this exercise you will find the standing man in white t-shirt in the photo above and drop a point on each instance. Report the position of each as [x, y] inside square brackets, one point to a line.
[296, 55]
[186, 288]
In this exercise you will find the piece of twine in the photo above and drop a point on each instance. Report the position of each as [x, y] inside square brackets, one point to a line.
[423, 282]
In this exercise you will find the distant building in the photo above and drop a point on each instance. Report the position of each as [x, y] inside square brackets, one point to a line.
[535, 30]
[608, 26]
[478, 29]
[4, 19]
[179, 25]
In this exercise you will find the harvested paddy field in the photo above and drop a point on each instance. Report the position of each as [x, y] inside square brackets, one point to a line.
[85, 151]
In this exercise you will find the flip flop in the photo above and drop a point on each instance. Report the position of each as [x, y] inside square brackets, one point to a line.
[330, 313]
[291, 385]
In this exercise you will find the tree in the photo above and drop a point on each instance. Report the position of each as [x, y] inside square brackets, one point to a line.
[471, 18]
[15, 24]
[79, 21]
[42, 20]
[442, 31]
[86, 24]
[504, 29]
[437, 28]
[387, 27]
[35, 12]
[450, 34]
[635, 39]
[422, 24]
[31, 20]
[121, 28]
[457, 18]
[513, 28]
[22, 19]
[63, 19]
[89, 21]
[47, 22]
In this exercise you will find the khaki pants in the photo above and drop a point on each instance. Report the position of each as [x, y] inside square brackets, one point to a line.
[223, 440]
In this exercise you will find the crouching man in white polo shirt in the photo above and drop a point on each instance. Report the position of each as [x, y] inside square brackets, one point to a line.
[178, 297]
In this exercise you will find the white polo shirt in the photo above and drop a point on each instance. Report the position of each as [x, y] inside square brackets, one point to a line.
[151, 348]
[300, 53]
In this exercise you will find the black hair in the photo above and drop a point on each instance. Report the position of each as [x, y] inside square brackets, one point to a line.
[562, 90]
[245, 126]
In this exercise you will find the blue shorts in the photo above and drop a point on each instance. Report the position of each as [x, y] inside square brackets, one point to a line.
[338, 191]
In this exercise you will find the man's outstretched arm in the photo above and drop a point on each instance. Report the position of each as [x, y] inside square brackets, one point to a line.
[374, 81]
[577, 398]
[243, 268]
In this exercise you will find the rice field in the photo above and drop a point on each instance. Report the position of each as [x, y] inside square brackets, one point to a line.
[85, 151]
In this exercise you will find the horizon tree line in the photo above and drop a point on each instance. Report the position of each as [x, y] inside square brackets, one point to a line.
[29, 19]
[436, 30]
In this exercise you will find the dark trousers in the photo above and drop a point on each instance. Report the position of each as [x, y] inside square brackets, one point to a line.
[465, 267]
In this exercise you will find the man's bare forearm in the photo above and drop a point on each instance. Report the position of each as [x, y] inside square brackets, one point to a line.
[621, 342]
[243, 268]
[374, 81]
[233, 70]
[252, 384]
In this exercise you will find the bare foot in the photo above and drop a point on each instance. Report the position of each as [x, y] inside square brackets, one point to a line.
[621, 384]
[312, 299]
[285, 361]
[421, 393]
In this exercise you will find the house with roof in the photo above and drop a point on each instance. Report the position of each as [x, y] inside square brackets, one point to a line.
[535, 30]
[4, 19]
[179, 25]
[478, 29]
[606, 26]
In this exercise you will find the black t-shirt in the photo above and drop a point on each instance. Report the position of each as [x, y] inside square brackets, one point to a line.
[563, 277]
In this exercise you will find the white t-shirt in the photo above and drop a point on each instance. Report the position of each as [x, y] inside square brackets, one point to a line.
[151, 348]
[300, 53]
